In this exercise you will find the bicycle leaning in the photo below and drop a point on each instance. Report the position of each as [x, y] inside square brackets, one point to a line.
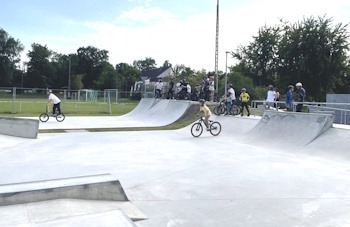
[221, 109]
[44, 117]
[197, 128]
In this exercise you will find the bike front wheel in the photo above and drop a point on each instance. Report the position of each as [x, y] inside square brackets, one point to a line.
[44, 117]
[60, 117]
[196, 129]
[215, 128]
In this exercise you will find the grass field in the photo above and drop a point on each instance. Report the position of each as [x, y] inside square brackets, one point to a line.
[36, 106]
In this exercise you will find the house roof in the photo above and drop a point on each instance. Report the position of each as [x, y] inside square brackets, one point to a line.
[154, 74]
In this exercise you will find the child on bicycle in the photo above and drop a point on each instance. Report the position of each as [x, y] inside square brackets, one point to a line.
[56, 102]
[207, 113]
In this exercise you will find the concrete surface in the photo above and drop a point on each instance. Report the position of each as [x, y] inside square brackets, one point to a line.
[149, 113]
[47, 211]
[176, 180]
[19, 127]
[93, 187]
[107, 218]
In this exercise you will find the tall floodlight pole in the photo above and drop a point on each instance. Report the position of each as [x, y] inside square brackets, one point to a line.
[217, 48]
[69, 69]
[226, 72]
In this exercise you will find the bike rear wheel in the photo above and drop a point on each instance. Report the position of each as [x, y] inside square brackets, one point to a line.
[60, 117]
[196, 129]
[44, 117]
[216, 110]
[235, 110]
[215, 128]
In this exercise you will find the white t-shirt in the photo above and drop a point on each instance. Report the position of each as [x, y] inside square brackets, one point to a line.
[188, 88]
[159, 85]
[54, 98]
[211, 85]
[232, 93]
[271, 96]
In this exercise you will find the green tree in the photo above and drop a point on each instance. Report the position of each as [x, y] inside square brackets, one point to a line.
[40, 72]
[10, 50]
[127, 75]
[314, 52]
[147, 64]
[90, 64]
[108, 78]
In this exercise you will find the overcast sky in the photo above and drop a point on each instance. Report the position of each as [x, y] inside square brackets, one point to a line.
[181, 31]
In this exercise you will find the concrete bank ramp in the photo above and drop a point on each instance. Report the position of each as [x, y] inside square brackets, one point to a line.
[144, 105]
[289, 128]
[19, 127]
[66, 197]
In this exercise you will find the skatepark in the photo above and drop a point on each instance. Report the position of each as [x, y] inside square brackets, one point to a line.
[279, 169]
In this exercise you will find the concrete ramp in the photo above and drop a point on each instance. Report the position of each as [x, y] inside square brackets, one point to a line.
[289, 128]
[144, 105]
[19, 127]
[94, 187]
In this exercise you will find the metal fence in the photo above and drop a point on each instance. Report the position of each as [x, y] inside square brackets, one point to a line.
[26, 100]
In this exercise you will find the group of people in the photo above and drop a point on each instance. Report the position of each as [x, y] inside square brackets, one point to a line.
[205, 90]
[273, 96]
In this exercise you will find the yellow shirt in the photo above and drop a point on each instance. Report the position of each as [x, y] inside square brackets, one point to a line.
[244, 97]
[206, 110]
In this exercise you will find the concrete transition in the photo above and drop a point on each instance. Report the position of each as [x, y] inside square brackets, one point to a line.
[19, 127]
[95, 191]
[285, 128]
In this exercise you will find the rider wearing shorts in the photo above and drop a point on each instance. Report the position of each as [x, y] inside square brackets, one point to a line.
[207, 113]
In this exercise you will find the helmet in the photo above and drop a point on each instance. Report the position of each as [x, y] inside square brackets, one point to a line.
[50, 91]
[298, 84]
[230, 85]
[201, 101]
[243, 89]
[290, 86]
[270, 87]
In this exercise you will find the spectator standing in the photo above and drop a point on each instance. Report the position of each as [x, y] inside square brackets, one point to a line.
[271, 96]
[211, 88]
[231, 98]
[159, 87]
[289, 100]
[170, 94]
[301, 95]
[277, 98]
[244, 97]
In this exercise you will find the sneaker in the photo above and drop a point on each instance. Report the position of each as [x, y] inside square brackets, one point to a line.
[248, 115]
[241, 115]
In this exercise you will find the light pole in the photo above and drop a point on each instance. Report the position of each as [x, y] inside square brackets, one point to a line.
[69, 67]
[227, 52]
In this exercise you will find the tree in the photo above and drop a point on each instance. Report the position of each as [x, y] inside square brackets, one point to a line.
[108, 78]
[10, 50]
[260, 57]
[90, 64]
[147, 64]
[39, 72]
[315, 53]
[312, 51]
[126, 76]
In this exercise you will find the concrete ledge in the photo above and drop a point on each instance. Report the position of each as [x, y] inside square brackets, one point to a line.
[19, 127]
[95, 187]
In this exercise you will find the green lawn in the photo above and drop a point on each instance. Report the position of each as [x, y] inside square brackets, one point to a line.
[35, 106]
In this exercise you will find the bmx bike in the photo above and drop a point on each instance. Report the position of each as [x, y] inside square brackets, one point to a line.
[197, 128]
[44, 117]
[221, 109]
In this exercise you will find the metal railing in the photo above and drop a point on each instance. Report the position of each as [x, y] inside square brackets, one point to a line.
[343, 112]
